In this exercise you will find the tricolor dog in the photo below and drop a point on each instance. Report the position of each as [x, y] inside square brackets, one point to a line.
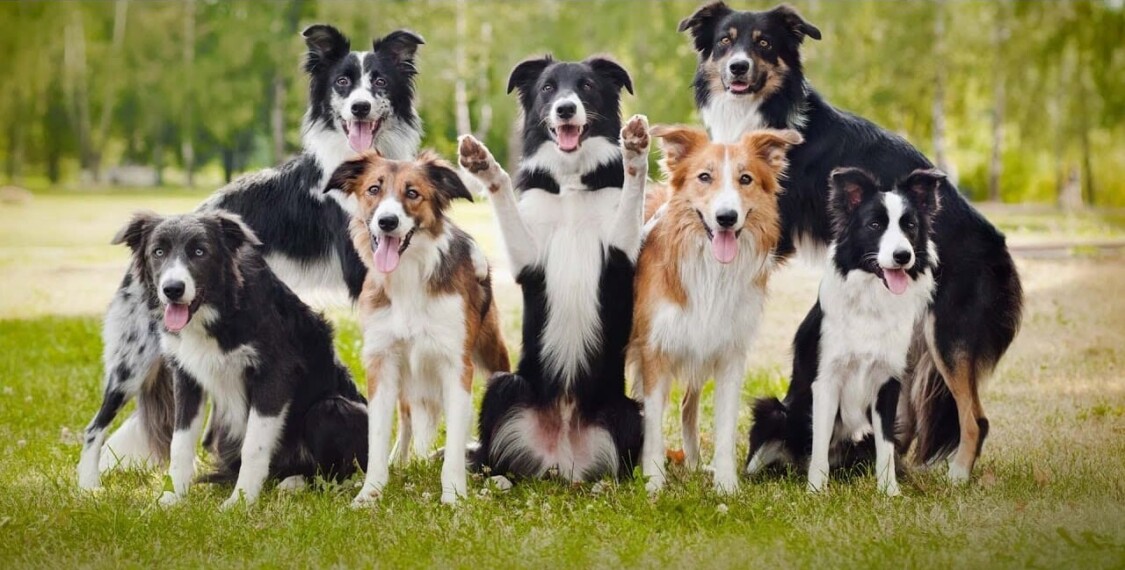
[285, 407]
[701, 285]
[426, 310]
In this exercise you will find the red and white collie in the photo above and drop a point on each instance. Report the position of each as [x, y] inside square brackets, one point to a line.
[426, 309]
[701, 284]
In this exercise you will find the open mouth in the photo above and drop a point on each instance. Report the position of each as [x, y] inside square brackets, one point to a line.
[568, 137]
[178, 315]
[389, 249]
[895, 279]
[739, 86]
[361, 134]
[724, 243]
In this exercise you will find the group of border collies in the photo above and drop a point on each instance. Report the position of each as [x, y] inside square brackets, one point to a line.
[918, 302]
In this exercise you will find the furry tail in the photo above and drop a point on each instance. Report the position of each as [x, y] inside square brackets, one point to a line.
[771, 421]
[936, 422]
[491, 353]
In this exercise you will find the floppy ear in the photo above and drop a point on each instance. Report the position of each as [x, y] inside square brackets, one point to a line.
[771, 145]
[235, 232]
[526, 73]
[796, 24]
[444, 178]
[612, 71]
[849, 187]
[402, 45]
[702, 25]
[136, 232]
[326, 45]
[921, 188]
[678, 141]
[345, 175]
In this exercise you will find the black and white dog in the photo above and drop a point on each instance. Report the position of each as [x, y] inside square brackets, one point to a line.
[357, 100]
[572, 238]
[284, 405]
[750, 77]
[851, 350]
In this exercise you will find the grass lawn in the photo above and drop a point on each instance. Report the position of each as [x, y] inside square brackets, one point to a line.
[1049, 492]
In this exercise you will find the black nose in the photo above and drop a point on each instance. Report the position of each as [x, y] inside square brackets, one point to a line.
[174, 290]
[388, 223]
[902, 256]
[361, 109]
[739, 67]
[566, 110]
[726, 218]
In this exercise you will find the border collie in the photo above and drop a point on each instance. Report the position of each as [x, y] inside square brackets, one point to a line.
[851, 349]
[357, 100]
[427, 312]
[750, 77]
[704, 269]
[284, 405]
[572, 238]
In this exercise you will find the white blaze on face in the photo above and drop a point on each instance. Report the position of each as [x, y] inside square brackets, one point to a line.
[893, 239]
[360, 129]
[724, 242]
[741, 85]
[568, 131]
[388, 243]
[177, 271]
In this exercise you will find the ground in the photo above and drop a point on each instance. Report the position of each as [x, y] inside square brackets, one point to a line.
[1050, 490]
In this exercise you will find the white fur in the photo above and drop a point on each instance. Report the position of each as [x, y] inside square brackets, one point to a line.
[391, 207]
[893, 239]
[419, 338]
[577, 451]
[567, 168]
[579, 117]
[729, 116]
[319, 274]
[176, 271]
[181, 467]
[258, 447]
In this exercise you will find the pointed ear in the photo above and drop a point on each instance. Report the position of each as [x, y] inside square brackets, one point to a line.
[921, 188]
[849, 187]
[345, 175]
[771, 145]
[796, 24]
[402, 45]
[612, 71]
[444, 178]
[235, 232]
[526, 73]
[326, 45]
[701, 24]
[136, 232]
[678, 141]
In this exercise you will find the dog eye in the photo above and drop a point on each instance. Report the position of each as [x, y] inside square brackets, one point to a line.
[343, 81]
[874, 225]
[412, 194]
[745, 179]
[373, 190]
[705, 177]
[911, 225]
[725, 41]
[764, 43]
[199, 252]
[158, 252]
[587, 85]
[547, 88]
[380, 82]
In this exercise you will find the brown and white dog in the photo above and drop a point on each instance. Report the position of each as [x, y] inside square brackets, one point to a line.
[426, 309]
[701, 284]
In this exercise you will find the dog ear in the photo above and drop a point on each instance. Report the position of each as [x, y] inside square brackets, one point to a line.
[677, 142]
[921, 188]
[796, 24]
[326, 45]
[444, 178]
[403, 46]
[702, 25]
[771, 145]
[345, 175]
[849, 186]
[612, 71]
[235, 232]
[526, 73]
[136, 232]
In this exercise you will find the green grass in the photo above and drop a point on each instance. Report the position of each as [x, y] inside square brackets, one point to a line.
[1049, 492]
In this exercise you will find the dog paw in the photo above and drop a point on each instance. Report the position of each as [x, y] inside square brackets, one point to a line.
[958, 474]
[478, 161]
[291, 484]
[654, 484]
[891, 490]
[449, 498]
[168, 499]
[90, 483]
[366, 497]
[635, 139]
[726, 485]
[818, 481]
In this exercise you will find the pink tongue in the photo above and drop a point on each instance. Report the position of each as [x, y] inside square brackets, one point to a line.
[568, 137]
[739, 87]
[724, 246]
[360, 134]
[386, 254]
[896, 280]
[176, 316]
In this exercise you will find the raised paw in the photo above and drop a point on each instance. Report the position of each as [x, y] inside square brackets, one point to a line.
[478, 161]
[635, 139]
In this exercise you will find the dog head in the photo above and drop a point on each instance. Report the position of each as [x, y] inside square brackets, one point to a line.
[747, 53]
[399, 202]
[884, 231]
[725, 189]
[187, 261]
[567, 104]
[357, 92]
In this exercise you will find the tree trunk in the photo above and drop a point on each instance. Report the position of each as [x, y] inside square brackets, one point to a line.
[485, 123]
[15, 143]
[277, 119]
[939, 88]
[120, 13]
[461, 65]
[75, 58]
[996, 163]
[187, 149]
[228, 164]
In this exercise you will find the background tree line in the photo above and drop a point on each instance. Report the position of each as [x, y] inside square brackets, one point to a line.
[1019, 100]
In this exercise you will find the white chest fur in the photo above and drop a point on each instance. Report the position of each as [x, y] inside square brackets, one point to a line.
[728, 117]
[220, 373]
[571, 228]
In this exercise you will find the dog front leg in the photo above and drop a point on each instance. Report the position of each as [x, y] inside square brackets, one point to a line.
[728, 397]
[883, 421]
[826, 401]
[629, 221]
[188, 426]
[382, 393]
[263, 431]
[478, 161]
[457, 391]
